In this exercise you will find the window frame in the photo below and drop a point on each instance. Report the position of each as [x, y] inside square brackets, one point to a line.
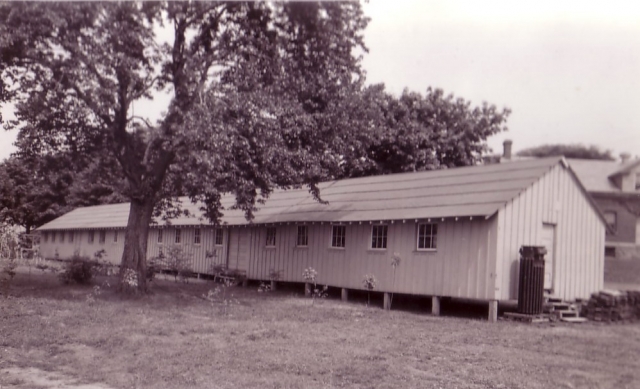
[270, 235]
[71, 236]
[432, 235]
[62, 233]
[102, 237]
[160, 237]
[197, 236]
[92, 236]
[177, 236]
[384, 238]
[341, 238]
[611, 226]
[115, 236]
[53, 236]
[219, 232]
[304, 236]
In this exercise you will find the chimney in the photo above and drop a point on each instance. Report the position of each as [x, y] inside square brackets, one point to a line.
[507, 149]
[624, 158]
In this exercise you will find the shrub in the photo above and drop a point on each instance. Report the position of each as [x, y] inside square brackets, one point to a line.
[80, 270]
[154, 266]
[178, 263]
[7, 272]
[369, 283]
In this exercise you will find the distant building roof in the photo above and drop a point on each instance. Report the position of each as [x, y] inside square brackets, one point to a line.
[596, 175]
[467, 191]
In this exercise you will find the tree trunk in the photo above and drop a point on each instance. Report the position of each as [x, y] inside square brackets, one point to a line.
[134, 255]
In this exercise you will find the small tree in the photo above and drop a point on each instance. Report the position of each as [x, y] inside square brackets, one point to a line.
[310, 275]
[395, 262]
[369, 282]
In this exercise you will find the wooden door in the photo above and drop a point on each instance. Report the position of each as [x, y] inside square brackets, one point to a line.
[549, 241]
[239, 248]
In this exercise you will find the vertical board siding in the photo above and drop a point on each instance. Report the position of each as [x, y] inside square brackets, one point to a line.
[81, 246]
[579, 257]
[456, 268]
[460, 267]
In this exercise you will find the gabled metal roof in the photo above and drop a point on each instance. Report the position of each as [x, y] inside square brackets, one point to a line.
[474, 191]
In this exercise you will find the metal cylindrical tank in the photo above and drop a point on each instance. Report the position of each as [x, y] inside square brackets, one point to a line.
[531, 286]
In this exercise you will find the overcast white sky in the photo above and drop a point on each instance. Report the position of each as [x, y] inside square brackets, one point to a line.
[569, 70]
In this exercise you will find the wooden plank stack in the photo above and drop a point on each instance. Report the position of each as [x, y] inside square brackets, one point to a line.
[613, 306]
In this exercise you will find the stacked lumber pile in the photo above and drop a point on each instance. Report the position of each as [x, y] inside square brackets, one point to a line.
[613, 306]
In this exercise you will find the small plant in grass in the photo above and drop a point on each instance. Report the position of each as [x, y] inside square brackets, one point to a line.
[395, 262]
[310, 275]
[219, 295]
[91, 297]
[264, 287]
[130, 280]
[369, 283]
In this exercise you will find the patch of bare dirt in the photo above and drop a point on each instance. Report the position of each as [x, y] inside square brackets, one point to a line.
[32, 378]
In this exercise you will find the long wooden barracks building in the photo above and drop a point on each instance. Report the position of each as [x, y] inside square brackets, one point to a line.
[457, 231]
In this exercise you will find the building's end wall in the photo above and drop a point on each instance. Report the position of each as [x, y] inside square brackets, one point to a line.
[555, 200]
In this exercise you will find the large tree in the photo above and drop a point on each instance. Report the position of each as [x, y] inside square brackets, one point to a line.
[415, 132]
[252, 87]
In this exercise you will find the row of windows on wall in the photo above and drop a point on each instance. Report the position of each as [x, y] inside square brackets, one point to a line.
[62, 236]
[69, 236]
[197, 236]
[426, 236]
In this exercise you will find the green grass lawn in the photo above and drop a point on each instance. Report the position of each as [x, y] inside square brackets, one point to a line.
[173, 338]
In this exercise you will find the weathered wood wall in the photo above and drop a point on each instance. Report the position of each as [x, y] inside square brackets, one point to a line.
[555, 199]
[459, 267]
[81, 245]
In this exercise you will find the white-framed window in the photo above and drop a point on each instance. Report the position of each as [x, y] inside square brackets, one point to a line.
[612, 220]
[338, 236]
[196, 236]
[91, 236]
[219, 236]
[379, 237]
[45, 237]
[102, 237]
[160, 236]
[427, 236]
[271, 237]
[71, 233]
[53, 237]
[61, 236]
[115, 236]
[178, 236]
[303, 236]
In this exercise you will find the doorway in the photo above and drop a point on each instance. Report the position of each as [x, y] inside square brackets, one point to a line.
[549, 242]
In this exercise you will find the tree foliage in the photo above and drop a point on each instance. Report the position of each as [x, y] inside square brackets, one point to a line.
[577, 151]
[251, 88]
[262, 95]
[416, 132]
